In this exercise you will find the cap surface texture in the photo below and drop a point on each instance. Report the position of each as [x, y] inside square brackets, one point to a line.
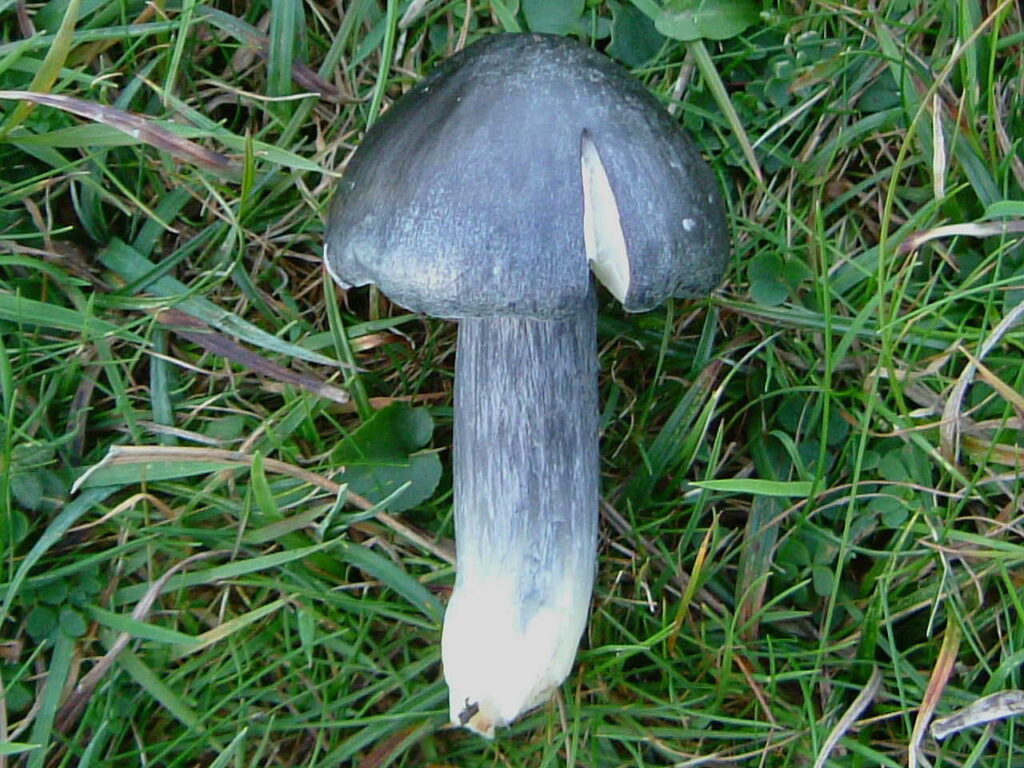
[466, 198]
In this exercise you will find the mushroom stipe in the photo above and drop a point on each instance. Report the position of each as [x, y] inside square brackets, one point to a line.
[493, 192]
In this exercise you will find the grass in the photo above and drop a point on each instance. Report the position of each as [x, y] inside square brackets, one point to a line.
[811, 539]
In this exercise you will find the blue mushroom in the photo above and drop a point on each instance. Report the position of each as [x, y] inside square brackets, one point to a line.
[494, 192]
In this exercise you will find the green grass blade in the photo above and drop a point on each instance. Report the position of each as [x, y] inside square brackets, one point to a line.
[140, 629]
[778, 488]
[135, 268]
[387, 51]
[23, 312]
[61, 657]
[721, 94]
[393, 577]
[182, 38]
[16, 747]
[51, 67]
[229, 628]
[162, 693]
[234, 570]
[233, 751]
[72, 512]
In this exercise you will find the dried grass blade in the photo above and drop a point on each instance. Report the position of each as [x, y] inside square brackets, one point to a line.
[696, 576]
[864, 698]
[996, 706]
[949, 432]
[200, 333]
[970, 229]
[936, 685]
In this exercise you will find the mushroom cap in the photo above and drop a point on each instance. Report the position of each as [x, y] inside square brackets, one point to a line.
[467, 197]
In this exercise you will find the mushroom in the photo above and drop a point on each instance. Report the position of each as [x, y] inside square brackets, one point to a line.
[489, 193]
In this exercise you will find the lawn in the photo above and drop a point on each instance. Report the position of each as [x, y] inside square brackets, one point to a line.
[225, 484]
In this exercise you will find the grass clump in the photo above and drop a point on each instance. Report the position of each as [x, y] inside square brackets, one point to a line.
[811, 531]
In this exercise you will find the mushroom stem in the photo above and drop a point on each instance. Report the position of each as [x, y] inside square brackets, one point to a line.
[526, 506]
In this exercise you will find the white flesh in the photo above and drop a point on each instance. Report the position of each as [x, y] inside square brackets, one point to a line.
[602, 230]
